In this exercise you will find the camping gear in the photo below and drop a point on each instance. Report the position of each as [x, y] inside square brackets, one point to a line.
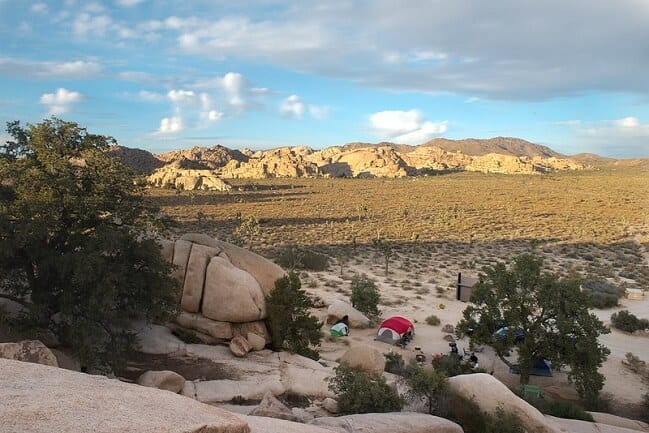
[394, 329]
[541, 368]
[531, 391]
[340, 329]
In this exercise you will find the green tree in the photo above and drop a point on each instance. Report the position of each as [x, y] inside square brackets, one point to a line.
[541, 315]
[428, 384]
[358, 391]
[75, 240]
[291, 325]
[365, 296]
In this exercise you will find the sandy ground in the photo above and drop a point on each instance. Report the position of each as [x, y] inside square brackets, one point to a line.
[623, 387]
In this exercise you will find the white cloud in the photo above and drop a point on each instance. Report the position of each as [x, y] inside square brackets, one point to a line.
[206, 101]
[627, 137]
[137, 76]
[408, 127]
[97, 25]
[181, 96]
[319, 112]
[292, 106]
[508, 53]
[45, 69]
[128, 3]
[60, 101]
[170, 125]
[145, 95]
[212, 115]
[234, 85]
[628, 122]
[39, 8]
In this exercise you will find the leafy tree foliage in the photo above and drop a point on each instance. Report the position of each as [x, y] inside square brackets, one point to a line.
[291, 325]
[75, 244]
[428, 384]
[365, 296]
[551, 315]
[358, 391]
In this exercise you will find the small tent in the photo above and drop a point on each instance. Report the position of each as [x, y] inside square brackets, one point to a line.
[393, 328]
[542, 367]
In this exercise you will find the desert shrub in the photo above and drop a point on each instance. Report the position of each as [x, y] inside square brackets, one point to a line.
[645, 408]
[291, 325]
[358, 391]
[601, 293]
[442, 306]
[560, 408]
[503, 422]
[628, 322]
[429, 385]
[394, 363]
[293, 257]
[467, 414]
[365, 295]
[452, 365]
[433, 320]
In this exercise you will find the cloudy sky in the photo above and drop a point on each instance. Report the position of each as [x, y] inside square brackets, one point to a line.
[167, 74]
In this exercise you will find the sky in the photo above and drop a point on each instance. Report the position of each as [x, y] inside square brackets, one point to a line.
[166, 74]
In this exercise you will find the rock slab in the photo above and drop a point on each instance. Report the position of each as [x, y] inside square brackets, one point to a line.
[164, 379]
[29, 351]
[42, 399]
[393, 422]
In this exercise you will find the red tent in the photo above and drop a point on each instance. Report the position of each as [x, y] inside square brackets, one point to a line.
[393, 328]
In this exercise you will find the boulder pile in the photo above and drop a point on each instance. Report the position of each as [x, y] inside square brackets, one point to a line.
[224, 291]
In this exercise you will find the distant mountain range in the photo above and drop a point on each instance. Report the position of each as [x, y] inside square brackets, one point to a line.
[495, 155]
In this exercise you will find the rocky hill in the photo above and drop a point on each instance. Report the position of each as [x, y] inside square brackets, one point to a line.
[496, 155]
[499, 145]
[140, 161]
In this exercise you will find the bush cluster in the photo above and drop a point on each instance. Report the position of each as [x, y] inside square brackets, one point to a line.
[293, 257]
[365, 296]
[628, 322]
[560, 409]
[394, 363]
[291, 325]
[601, 293]
[467, 414]
[358, 391]
[433, 320]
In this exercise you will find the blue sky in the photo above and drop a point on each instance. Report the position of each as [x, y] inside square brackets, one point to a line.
[167, 74]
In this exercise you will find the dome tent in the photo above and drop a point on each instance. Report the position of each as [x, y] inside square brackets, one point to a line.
[394, 328]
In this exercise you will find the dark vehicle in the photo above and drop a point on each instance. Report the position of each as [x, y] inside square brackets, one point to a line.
[504, 332]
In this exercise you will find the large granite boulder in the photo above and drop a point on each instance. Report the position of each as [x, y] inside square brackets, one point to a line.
[273, 408]
[365, 357]
[339, 309]
[182, 249]
[28, 351]
[165, 379]
[222, 285]
[58, 400]
[231, 294]
[199, 258]
[489, 393]
[393, 422]
[198, 322]
[263, 270]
